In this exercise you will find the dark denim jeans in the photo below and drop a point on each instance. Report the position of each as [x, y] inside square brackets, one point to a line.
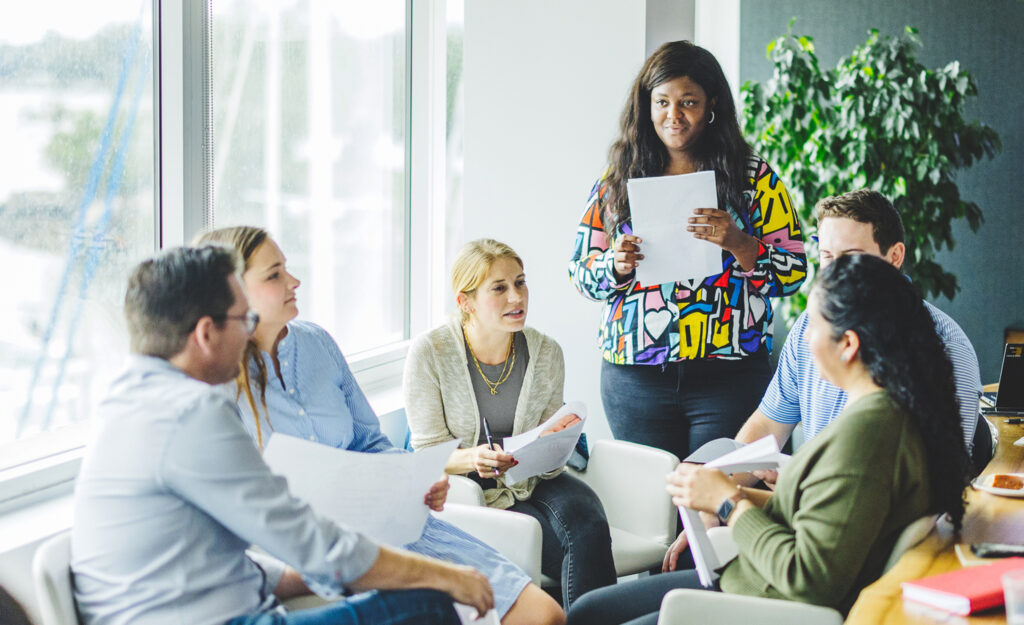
[390, 607]
[682, 405]
[631, 603]
[576, 543]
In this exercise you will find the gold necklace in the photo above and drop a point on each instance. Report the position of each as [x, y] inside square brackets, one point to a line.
[506, 369]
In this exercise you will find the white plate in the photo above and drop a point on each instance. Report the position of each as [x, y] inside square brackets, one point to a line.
[984, 482]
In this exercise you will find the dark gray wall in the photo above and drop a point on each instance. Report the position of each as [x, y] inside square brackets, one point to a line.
[985, 36]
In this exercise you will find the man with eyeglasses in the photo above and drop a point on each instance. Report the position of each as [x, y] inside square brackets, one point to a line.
[172, 491]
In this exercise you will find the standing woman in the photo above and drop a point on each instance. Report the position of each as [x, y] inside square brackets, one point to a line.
[295, 380]
[484, 376]
[686, 362]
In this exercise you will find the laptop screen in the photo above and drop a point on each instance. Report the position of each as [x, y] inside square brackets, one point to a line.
[1011, 379]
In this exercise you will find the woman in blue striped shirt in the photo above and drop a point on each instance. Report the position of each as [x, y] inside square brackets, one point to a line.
[295, 380]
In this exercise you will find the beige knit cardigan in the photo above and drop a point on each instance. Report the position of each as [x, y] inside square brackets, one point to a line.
[440, 404]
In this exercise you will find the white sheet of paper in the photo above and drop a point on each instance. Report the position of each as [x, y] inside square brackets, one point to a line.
[380, 495]
[537, 454]
[705, 560]
[761, 454]
[660, 208]
[467, 616]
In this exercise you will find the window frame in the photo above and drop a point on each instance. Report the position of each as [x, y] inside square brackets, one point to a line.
[183, 205]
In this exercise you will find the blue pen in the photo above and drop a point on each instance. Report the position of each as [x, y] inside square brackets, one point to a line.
[490, 441]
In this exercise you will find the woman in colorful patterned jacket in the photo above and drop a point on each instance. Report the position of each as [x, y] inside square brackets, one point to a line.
[686, 362]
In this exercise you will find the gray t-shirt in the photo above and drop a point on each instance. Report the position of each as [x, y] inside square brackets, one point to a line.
[499, 409]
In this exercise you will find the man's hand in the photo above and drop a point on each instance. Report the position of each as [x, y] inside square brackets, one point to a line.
[566, 421]
[437, 494]
[768, 476]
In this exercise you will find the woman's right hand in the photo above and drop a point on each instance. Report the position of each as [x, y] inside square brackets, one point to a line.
[491, 462]
[627, 255]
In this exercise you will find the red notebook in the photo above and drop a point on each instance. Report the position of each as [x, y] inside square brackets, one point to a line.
[967, 590]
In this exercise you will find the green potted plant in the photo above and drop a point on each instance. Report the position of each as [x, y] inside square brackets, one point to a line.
[880, 119]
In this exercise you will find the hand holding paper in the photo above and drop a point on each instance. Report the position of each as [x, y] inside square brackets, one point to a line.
[694, 487]
[547, 446]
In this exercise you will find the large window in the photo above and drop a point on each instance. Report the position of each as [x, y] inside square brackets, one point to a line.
[310, 109]
[76, 204]
[313, 109]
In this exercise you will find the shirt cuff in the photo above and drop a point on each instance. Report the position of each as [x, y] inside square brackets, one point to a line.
[360, 559]
[273, 570]
[751, 525]
[763, 256]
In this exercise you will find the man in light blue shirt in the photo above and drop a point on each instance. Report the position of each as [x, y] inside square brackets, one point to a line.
[858, 221]
[172, 492]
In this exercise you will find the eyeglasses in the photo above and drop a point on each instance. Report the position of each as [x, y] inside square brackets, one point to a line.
[251, 319]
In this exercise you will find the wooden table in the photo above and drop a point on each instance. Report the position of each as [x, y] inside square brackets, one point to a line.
[989, 518]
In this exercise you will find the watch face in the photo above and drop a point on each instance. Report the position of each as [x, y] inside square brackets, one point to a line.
[725, 510]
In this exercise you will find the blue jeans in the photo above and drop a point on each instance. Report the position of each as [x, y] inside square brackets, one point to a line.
[630, 603]
[377, 607]
[576, 544]
[681, 405]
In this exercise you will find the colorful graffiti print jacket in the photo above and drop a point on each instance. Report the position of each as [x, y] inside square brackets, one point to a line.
[727, 316]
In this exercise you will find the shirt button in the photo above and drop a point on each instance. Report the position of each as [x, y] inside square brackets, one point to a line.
[302, 412]
[291, 391]
[312, 438]
[284, 363]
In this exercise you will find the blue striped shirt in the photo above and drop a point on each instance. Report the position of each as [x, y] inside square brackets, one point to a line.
[321, 401]
[797, 394]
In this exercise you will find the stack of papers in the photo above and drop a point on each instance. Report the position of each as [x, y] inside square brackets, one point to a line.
[380, 495]
[538, 454]
[730, 457]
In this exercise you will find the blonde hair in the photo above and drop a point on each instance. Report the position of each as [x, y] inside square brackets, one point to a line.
[473, 264]
[245, 240]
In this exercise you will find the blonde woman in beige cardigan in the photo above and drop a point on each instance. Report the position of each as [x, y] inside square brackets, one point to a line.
[487, 370]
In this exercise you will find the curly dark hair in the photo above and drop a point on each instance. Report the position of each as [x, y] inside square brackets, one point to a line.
[905, 356]
[639, 153]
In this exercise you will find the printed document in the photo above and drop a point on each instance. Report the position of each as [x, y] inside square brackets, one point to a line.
[538, 454]
[761, 454]
[380, 495]
[660, 209]
[468, 616]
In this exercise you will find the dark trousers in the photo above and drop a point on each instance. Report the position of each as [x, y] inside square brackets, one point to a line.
[384, 607]
[576, 545]
[635, 603]
[680, 406]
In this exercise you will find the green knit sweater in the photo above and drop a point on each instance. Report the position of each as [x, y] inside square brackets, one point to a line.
[837, 510]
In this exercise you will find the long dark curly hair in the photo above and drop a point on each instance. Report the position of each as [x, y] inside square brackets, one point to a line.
[639, 153]
[904, 355]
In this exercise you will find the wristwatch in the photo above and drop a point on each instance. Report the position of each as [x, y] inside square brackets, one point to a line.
[728, 505]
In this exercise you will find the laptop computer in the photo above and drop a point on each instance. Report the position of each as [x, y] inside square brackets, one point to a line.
[1010, 399]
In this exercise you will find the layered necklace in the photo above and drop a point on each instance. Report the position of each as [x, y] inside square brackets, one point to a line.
[506, 369]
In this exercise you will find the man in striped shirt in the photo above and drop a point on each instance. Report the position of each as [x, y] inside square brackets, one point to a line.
[859, 221]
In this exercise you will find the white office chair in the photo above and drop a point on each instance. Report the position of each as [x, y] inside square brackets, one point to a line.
[700, 606]
[51, 574]
[515, 536]
[630, 481]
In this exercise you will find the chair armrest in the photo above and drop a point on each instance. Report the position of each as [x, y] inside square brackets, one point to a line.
[515, 536]
[723, 544]
[462, 490]
[704, 606]
[630, 481]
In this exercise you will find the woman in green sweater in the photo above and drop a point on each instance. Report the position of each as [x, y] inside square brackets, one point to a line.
[894, 454]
